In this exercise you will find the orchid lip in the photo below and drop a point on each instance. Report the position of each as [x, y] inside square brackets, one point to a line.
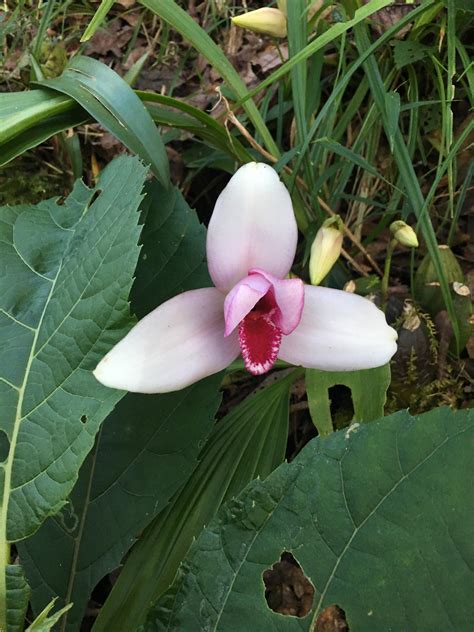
[263, 308]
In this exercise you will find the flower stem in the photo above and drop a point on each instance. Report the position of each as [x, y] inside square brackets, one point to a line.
[386, 271]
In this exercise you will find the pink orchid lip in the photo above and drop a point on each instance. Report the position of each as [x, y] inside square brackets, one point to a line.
[244, 296]
[259, 336]
[263, 307]
[289, 296]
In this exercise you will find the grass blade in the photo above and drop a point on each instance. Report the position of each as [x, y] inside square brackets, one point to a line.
[320, 42]
[407, 172]
[169, 11]
[97, 19]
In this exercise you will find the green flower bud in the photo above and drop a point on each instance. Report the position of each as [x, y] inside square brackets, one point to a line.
[404, 234]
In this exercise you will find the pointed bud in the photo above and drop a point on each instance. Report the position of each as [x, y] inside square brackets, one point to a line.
[265, 20]
[404, 234]
[326, 249]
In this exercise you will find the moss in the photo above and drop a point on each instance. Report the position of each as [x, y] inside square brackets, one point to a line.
[25, 183]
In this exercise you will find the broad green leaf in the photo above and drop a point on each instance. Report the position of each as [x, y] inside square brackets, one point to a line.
[18, 596]
[380, 520]
[368, 391]
[63, 304]
[44, 622]
[248, 443]
[173, 251]
[111, 101]
[145, 451]
[148, 446]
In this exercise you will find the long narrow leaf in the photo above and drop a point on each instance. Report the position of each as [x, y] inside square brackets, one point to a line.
[97, 19]
[111, 101]
[344, 82]
[209, 126]
[41, 132]
[169, 11]
[21, 110]
[407, 173]
[320, 42]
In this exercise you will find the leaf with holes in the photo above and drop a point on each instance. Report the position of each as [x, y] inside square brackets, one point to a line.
[378, 518]
[249, 442]
[368, 393]
[148, 446]
[63, 304]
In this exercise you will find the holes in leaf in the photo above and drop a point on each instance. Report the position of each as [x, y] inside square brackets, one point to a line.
[94, 197]
[287, 590]
[4, 446]
[84, 419]
[342, 408]
[331, 619]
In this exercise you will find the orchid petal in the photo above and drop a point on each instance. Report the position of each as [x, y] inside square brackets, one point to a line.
[339, 331]
[289, 296]
[252, 226]
[177, 344]
[242, 298]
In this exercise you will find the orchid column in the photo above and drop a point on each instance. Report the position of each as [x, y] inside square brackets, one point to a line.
[253, 309]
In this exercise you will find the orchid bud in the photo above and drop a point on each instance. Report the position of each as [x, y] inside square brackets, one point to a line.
[265, 20]
[404, 234]
[326, 249]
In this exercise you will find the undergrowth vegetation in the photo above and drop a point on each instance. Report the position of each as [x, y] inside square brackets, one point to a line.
[245, 500]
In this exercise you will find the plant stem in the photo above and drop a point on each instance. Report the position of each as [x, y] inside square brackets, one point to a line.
[386, 271]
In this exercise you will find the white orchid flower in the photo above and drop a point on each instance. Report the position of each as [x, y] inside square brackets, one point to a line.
[253, 309]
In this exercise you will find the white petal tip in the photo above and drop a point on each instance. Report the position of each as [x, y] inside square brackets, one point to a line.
[103, 375]
[252, 226]
[339, 332]
[177, 344]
